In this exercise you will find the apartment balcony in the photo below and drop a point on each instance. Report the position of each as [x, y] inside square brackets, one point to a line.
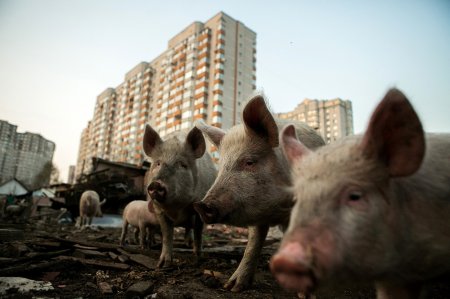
[204, 46]
[201, 84]
[200, 116]
[202, 75]
[217, 103]
[200, 95]
[200, 105]
[218, 81]
[204, 64]
[219, 51]
[203, 55]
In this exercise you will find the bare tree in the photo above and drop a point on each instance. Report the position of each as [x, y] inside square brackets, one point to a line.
[43, 177]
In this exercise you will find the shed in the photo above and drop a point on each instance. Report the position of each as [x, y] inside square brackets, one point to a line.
[14, 187]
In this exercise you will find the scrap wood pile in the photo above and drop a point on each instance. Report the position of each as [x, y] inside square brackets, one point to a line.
[90, 263]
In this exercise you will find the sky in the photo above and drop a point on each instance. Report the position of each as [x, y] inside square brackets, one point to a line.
[57, 56]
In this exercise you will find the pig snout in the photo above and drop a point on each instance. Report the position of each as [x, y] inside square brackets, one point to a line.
[157, 191]
[291, 267]
[208, 213]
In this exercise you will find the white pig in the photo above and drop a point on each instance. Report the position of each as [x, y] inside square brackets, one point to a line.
[90, 207]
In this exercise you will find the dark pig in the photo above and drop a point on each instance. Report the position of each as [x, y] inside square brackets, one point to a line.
[181, 172]
[371, 208]
[251, 186]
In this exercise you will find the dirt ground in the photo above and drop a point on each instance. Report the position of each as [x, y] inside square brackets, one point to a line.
[90, 264]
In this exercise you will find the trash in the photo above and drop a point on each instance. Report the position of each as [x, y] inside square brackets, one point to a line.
[23, 285]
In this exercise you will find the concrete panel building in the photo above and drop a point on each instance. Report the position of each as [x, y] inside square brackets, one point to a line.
[8, 136]
[23, 155]
[207, 72]
[84, 162]
[333, 119]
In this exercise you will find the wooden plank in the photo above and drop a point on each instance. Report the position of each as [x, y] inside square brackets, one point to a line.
[144, 260]
[119, 266]
[34, 257]
[29, 267]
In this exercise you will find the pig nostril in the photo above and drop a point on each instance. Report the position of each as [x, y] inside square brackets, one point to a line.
[292, 273]
[157, 191]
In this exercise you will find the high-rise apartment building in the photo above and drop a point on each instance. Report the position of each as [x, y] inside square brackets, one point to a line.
[207, 72]
[22, 155]
[8, 135]
[71, 175]
[333, 119]
[133, 102]
[84, 162]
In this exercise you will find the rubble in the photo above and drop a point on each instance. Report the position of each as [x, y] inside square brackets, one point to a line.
[91, 264]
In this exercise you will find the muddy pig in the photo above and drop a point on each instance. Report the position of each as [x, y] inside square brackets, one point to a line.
[138, 215]
[90, 207]
[371, 208]
[250, 189]
[180, 174]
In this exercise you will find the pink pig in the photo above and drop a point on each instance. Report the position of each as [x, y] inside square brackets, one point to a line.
[371, 208]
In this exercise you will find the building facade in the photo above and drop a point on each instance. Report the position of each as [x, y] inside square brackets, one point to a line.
[71, 175]
[333, 119]
[133, 102]
[84, 163]
[23, 155]
[207, 72]
[8, 136]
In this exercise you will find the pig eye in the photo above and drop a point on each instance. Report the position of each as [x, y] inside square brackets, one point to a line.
[158, 163]
[250, 163]
[355, 198]
[354, 195]
[182, 165]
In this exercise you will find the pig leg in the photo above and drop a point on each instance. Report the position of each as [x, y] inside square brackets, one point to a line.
[142, 232]
[136, 235]
[165, 259]
[124, 232]
[188, 237]
[151, 235]
[198, 229]
[243, 276]
[385, 291]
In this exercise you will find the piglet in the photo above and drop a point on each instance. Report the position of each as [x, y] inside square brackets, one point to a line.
[146, 223]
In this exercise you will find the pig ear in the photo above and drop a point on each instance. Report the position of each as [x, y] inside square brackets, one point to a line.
[195, 142]
[214, 134]
[259, 120]
[395, 135]
[292, 147]
[151, 140]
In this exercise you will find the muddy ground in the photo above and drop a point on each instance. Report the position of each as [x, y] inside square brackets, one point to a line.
[90, 264]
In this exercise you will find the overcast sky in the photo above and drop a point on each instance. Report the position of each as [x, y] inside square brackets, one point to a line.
[56, 56]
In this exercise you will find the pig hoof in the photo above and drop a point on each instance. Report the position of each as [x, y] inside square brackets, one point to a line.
[198, 260]
[164, 264]
[235, 286]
